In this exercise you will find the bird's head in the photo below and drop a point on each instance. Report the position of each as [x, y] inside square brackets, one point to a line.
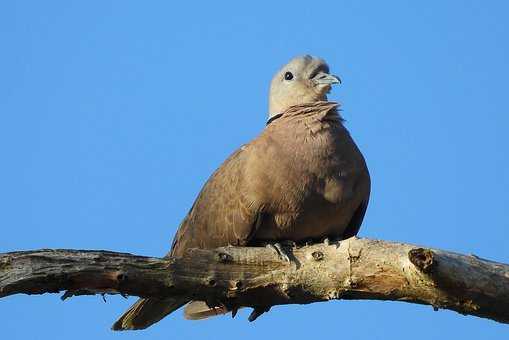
[304, 79]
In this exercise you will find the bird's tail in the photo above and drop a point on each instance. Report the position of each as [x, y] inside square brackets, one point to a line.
[198, 310]
[146, 312]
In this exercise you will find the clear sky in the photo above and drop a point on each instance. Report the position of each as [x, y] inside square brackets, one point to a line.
[114, 113]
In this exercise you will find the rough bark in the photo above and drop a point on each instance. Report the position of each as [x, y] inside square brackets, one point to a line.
[257, 277]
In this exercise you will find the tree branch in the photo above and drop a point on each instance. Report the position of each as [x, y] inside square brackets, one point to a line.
[257, 277]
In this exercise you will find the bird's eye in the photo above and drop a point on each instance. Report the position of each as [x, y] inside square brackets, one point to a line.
[288, 76]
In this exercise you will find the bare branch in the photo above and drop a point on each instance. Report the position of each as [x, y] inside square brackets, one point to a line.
[257, 277]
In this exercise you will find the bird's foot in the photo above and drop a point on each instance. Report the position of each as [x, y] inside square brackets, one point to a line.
[288, 244]
[279, 248]
[332, 240]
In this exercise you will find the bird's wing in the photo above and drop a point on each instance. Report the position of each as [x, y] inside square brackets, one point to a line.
[223, 213]
[363, 186]
[356, 221]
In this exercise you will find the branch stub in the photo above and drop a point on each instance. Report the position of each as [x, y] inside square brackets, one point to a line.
[422, 258]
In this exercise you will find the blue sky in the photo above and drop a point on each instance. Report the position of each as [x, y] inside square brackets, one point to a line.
[114, 113]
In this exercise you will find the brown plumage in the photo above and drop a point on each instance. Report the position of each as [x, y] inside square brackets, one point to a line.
[302, 178]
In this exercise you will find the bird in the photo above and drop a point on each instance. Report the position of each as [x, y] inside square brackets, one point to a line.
[302, 178]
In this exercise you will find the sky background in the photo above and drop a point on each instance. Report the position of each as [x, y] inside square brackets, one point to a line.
[114, 113]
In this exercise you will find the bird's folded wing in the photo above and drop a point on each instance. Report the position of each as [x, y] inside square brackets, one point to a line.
[223, 212]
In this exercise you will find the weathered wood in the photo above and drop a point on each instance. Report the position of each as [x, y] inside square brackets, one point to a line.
[257, 277]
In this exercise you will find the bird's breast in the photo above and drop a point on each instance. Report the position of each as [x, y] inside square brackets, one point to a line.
[307, 179]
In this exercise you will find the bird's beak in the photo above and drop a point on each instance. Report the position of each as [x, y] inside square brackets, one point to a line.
[323, 78]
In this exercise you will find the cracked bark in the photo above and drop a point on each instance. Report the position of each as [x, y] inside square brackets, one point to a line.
[258, 278]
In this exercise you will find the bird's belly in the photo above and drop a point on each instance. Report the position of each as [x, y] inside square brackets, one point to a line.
[315, 225]
[325, 212]
[318, 193]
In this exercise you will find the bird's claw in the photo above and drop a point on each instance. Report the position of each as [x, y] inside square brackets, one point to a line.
[281, 252]
[332, 240]
[289, 244]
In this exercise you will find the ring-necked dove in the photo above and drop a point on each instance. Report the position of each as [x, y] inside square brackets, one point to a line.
[302, 178]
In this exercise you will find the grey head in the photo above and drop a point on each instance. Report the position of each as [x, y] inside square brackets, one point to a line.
[305, 79]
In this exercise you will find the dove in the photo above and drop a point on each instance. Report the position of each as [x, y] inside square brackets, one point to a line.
[302, 178]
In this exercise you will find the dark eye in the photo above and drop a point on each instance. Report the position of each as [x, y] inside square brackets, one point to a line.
[288, 76]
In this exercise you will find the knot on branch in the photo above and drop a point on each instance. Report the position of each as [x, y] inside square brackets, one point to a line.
[224, 257]
[5, 263]
[422, 258]
[121, 277]
[317, 255]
